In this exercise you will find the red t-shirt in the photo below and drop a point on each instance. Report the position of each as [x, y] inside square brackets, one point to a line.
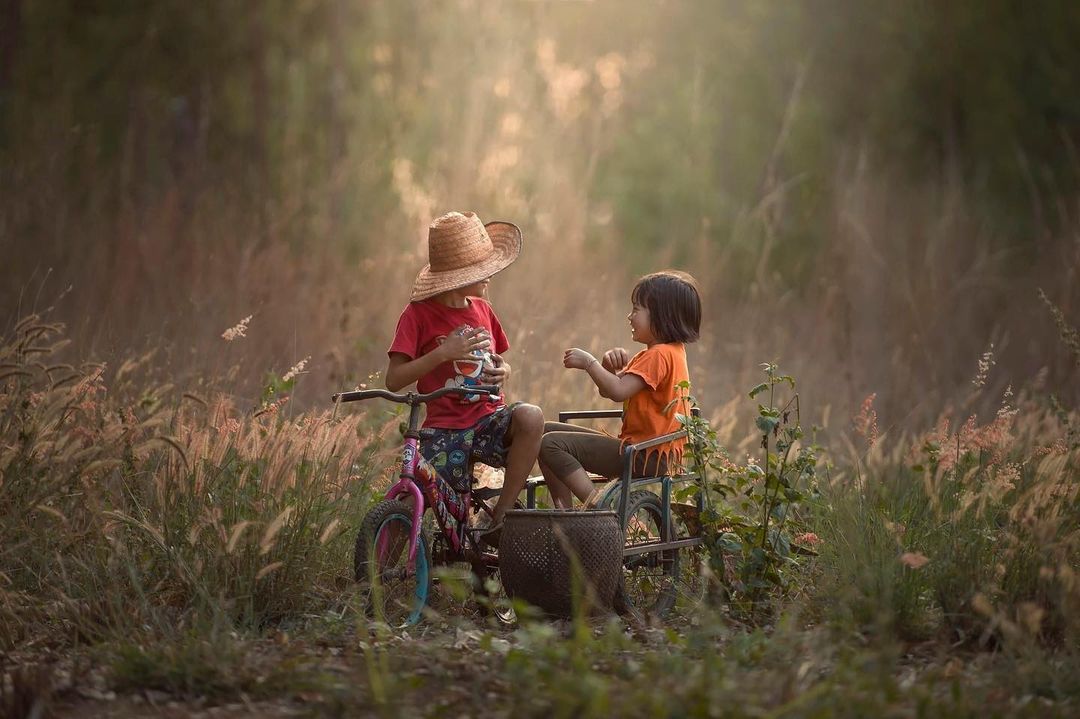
[422, 327]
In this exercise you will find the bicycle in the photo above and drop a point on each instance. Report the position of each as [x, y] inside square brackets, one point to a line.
[400, 580]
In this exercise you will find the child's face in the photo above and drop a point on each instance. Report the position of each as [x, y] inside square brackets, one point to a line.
[640, 325]
[476, 289]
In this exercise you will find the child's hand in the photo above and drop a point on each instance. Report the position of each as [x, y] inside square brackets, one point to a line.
[575, 358]
[497, 372]
[615, 359]
[460, 344]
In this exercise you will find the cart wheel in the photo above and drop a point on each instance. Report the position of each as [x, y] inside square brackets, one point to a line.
[491, 596]
[650, 578]
[394, 594]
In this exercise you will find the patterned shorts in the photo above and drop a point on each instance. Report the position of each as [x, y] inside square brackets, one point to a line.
[453, 451]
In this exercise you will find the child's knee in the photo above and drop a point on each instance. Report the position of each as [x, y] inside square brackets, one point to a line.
[547, 447]
[528, 419]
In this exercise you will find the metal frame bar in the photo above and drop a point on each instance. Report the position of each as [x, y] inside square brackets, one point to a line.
[567, 415]
[643, 547]
[628, 469]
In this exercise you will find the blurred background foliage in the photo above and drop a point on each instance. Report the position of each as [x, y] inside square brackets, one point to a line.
[874, 189]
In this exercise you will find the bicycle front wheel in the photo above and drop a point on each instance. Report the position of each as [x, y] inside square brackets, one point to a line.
[394, 593]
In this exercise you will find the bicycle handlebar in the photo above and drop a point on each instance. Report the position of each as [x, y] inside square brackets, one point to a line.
[412, 397]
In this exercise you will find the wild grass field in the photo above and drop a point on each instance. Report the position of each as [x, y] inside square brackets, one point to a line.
[169, 551]
[211, 218]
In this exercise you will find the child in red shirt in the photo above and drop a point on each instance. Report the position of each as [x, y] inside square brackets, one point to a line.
[666, 314]
[449, 335]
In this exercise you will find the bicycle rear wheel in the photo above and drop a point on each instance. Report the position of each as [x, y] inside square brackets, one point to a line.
[395, 594]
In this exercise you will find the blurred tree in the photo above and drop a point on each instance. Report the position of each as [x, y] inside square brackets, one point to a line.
[720, 135]
[722, 121]
[10, 30]
[986, 88]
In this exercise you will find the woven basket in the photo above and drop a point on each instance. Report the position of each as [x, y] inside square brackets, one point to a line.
[534, 561]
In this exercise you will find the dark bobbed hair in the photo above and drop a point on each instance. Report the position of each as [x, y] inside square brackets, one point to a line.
[674, 305]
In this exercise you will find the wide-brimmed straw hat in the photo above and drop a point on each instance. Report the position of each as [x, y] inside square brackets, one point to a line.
[462, 250]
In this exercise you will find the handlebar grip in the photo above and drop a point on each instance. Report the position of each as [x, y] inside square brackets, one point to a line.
[366, 394]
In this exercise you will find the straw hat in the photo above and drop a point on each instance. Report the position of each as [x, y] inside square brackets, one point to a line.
[462, 250]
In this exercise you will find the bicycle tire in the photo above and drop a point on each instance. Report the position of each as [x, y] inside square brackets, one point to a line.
[650, 579]
[394, 594]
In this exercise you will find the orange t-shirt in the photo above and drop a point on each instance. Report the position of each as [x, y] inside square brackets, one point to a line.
[646, 414]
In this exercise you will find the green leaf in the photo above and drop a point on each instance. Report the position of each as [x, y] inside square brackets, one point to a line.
[758, 390]
[780, 542]
[684, 493]
[729, 542]
[766, 424]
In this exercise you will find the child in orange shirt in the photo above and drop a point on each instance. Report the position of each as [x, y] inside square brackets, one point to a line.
[666, 314]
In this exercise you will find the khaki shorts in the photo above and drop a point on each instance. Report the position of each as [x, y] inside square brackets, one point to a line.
[566, 448]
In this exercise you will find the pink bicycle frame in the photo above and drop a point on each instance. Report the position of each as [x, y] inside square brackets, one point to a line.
[420, 482]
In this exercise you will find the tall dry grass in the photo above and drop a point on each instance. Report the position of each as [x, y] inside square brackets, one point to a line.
[968, 533]
[145, 506]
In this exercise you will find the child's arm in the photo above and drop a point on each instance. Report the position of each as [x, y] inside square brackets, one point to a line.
[610, 385]
[402, 371]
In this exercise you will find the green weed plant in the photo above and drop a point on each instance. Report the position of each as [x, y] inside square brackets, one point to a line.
[749, 509]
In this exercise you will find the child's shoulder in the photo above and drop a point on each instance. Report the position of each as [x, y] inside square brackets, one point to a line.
[413, 309]
[423, 308]
[665, 349]
[663, 357]
[419, 314]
